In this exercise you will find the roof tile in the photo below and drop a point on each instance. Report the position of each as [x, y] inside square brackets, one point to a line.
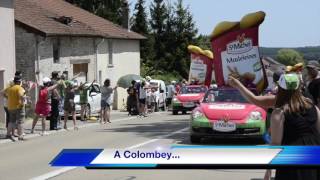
[42, 14]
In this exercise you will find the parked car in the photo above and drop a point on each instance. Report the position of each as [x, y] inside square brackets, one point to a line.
[224, 113]
[160, 93]
[187, 98]
[94, 98]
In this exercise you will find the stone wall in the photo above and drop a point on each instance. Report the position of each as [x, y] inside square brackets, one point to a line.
[73, 50]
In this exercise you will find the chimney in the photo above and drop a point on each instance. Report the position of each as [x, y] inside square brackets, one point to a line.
[125, 14]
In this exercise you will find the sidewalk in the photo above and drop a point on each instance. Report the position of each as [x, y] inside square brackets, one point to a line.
[37, 131]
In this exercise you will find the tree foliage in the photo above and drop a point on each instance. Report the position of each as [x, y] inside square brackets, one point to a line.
[173, 30]
[158, 13]
[139, 24]
[169, 30]
[289, 57]
[109, 9]
[185, 34]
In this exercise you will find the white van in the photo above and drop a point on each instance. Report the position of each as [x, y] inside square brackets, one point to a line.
[160, 93]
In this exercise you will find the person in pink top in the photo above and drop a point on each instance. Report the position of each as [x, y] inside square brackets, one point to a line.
[43, 106]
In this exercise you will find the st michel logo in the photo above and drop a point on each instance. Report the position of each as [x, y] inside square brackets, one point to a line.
[239, 46]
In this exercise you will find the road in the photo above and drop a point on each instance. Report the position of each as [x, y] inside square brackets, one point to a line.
[29, 159]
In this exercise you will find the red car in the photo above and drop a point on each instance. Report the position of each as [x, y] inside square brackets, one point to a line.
[187, 98]
[224, 113]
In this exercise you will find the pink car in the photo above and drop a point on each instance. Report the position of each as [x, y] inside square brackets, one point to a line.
[224, 113]
[187, 98]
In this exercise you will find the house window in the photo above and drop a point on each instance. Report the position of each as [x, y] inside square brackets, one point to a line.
[56, 50]
[110, 50]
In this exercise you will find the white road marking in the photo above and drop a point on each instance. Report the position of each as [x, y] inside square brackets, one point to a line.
[61, 171]
[54, 173]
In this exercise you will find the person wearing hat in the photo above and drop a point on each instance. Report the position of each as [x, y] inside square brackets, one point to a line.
[15, 100]
[314, 81]
[43, 105]
[295, 121]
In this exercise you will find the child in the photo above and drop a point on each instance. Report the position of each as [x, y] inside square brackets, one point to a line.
[43, 106]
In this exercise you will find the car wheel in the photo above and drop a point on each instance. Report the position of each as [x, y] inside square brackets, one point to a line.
[87, 114]
[195, 139]
[174, 112]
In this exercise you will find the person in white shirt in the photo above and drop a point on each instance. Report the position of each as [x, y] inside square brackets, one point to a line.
[171, 93]
[106, 101]
[142, 99]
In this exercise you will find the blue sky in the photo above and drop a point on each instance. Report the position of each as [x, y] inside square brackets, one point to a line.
[289, 23]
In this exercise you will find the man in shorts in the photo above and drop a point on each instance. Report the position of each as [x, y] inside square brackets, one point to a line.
[16, 97]
[142, 99]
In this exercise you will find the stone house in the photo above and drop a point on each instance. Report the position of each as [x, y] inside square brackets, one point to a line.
[53, 35]
[7, 47]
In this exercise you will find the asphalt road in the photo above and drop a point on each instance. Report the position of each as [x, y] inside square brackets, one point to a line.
[29, 159]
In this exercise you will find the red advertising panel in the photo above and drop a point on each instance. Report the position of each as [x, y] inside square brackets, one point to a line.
[200, 66]
[237, 54]
[200, 69]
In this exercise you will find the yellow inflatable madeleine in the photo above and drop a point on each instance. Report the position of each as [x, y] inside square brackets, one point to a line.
[194, 49]
[224, 27]
[252, 19]
[198, 50]
[299, 65]
[208, 53]
[289, 69]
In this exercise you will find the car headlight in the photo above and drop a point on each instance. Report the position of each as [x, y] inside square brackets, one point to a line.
[175, 100]
[255, 115]
[197, 114]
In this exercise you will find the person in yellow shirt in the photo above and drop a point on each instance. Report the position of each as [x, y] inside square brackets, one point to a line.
[15, 101]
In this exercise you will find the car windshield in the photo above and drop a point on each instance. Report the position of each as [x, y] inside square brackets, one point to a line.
[155, 84]
[230, 95]
[193, 90]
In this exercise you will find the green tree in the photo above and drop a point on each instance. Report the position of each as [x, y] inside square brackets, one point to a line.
[289, 57]
[203, 41]
[139, 24]
[113, 10]
[169, 39]
[158, 13]
[185, 35]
